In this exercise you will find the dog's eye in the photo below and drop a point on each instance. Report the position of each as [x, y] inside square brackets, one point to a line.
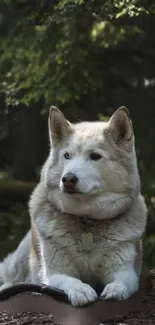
[95, 156]
[67, 155]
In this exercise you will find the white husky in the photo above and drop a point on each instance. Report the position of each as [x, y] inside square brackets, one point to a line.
[87, 213]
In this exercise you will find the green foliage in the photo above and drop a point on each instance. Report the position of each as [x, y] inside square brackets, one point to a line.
[14, 221]
[47, 47]
[149, 249]
[103, 117]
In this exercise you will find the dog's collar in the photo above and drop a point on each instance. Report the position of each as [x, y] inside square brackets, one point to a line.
[87, 239]
[86, 220]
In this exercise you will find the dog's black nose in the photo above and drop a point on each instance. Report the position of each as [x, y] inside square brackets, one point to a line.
[69, 180]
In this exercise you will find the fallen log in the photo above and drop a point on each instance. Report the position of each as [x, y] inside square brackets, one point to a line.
[14, 190]
[41, 304]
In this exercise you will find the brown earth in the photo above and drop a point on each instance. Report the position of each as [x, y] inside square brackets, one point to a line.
[144, 317]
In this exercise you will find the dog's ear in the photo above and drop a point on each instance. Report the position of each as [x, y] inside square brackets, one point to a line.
[120, 127]
[59, 127]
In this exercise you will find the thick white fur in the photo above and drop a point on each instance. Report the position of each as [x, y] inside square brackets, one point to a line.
[108, 204]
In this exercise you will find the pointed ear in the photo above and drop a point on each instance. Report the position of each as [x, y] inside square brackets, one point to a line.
[120, 127]
[59, 127]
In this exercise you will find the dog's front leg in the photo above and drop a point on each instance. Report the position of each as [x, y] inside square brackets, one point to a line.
[79, 293]
[59, 271]
[121, 284]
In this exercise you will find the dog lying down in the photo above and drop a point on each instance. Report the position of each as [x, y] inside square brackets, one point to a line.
[87, 213]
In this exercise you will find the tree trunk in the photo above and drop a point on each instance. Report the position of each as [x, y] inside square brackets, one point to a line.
[23, 131]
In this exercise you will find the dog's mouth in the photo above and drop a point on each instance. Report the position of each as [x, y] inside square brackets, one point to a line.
[75, 191]
[71, 191]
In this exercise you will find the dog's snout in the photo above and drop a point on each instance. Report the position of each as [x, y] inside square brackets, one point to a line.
[69, 180]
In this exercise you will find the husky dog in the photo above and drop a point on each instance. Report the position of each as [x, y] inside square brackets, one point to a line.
[87, 213]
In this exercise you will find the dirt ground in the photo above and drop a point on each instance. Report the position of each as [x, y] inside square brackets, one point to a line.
[140, 318]
[136, 318]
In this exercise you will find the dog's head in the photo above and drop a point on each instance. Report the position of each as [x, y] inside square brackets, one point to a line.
[90, 158]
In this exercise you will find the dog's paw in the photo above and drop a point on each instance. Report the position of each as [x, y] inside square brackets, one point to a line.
[115, 290]
[81, 294]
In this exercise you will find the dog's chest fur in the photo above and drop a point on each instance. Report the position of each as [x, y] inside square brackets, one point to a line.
[63, 234]
[66, 231]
